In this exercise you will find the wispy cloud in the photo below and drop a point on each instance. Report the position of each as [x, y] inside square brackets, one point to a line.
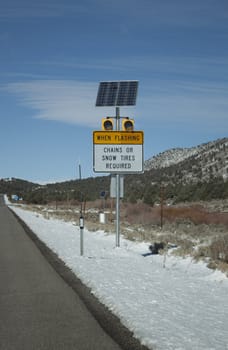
[187, 103]
[172, 89]
[65, 101]
[187, 67]
[164, 101]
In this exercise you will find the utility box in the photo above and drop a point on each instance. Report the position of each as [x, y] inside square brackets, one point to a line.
[102, 218]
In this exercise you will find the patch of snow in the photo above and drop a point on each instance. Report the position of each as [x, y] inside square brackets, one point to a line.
[180, 307]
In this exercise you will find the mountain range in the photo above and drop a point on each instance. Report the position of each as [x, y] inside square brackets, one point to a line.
[194, 173]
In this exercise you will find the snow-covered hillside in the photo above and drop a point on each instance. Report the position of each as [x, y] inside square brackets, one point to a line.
[172, 304]
[169, 157]
[200, 163]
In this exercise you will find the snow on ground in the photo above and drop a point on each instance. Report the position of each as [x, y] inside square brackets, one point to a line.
[181, 306]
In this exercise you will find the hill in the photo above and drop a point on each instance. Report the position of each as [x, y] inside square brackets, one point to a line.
[181, 174]
[16, 186]
[201, 163]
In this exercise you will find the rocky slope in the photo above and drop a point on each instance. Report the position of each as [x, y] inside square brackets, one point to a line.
[200, 163]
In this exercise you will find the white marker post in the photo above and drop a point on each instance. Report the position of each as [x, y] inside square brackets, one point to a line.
[81, 225]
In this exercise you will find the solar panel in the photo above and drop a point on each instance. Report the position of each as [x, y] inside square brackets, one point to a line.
[117, 93]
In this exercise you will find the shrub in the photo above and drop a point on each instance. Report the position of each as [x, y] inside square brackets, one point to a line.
[218, 249]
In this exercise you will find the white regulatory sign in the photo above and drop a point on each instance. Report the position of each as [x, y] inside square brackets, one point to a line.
[118, 158]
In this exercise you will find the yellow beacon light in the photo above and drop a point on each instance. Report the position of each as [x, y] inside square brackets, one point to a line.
[127, 124]
[107, 124]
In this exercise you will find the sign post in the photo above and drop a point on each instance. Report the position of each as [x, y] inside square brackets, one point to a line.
[117, 188]
[117, 152]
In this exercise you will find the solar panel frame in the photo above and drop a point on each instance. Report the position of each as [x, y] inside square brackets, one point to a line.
[117, 93]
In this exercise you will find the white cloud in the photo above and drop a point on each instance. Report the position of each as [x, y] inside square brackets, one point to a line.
[169, 101]
[60, 100]
[194, 103]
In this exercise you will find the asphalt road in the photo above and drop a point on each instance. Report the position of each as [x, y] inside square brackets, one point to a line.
[43, 306]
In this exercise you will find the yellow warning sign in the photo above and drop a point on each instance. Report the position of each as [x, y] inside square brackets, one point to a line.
[118, 137]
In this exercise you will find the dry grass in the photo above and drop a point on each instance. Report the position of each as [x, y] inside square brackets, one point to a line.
[195, 230]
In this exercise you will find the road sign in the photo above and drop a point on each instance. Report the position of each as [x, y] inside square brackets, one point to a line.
[118, 137]
[118, 152]
[125, 156]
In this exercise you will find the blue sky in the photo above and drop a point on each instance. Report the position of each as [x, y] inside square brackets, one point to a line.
[54, 53]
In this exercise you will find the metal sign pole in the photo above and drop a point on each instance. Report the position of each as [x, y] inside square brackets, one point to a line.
[117, 188]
